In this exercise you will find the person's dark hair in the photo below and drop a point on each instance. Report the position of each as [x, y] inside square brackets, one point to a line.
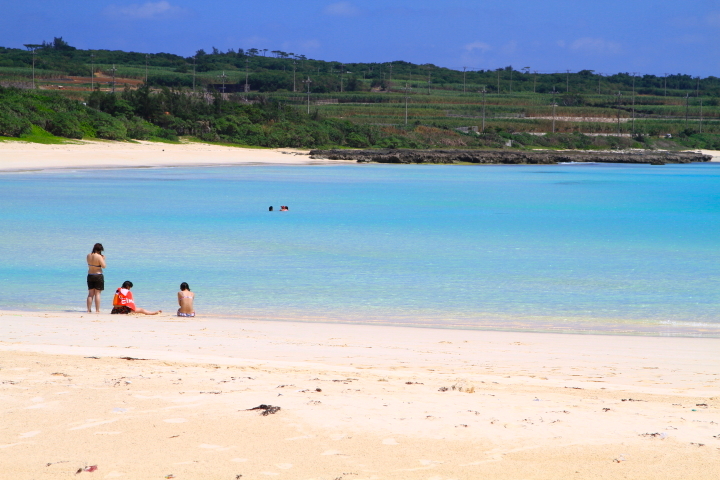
[127, 284]
[184, 286]
[98, 248]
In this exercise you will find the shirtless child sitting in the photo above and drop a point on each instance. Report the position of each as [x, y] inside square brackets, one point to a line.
[124, 303]
[185, 300]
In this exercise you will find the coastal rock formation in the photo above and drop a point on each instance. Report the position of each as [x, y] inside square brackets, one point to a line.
[544, 157]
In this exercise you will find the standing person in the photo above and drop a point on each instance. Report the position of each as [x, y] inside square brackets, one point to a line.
[95, 278]
[185, 300]
[124, 303]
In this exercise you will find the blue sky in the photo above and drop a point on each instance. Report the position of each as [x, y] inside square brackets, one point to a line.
[607, 36]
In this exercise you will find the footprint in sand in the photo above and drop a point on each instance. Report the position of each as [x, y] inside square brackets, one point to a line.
[389, 441]
[175, 420]
[29, 434]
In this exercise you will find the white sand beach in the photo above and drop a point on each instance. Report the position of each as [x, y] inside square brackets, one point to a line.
[22, 156]
[167, 397]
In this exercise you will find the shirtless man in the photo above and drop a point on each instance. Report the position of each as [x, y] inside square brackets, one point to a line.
[95, 278]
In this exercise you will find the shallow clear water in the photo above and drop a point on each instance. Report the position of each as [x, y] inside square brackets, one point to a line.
[609, 248]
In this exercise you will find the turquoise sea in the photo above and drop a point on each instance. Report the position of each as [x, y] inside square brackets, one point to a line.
[572, 248]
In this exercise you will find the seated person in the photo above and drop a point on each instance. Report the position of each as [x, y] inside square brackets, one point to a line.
[123, 302]
[185, 300]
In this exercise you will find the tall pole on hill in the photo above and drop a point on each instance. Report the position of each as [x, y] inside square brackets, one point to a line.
[464, 68]
[146, 67]
[92, 71]
[223, 77]
[247, 74]
[484, 91]
[407, 89]
[113, 70]
[33, 69]
[194, 73]
[633, 103]
[619, 95]
[511, 72]
[687, 107]
[553, 105]
[308, 82]
[567, 82]
[666, 84]
[534, 81]
[342, 76]
[294, 67]
[498, 90]
[701, 115]
[429, 73]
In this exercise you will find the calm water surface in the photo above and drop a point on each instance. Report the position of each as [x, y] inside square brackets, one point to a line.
[588, 248]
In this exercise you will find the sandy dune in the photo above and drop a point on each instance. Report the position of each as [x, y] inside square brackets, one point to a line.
[158, 396]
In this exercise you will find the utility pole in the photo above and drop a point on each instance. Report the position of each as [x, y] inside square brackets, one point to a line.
[223, 77]
[534, 81]
[33, 69]
[633, 103]
[553, 105]
[484, 91]
[599, 79]
[146, 67]
[687, 107]
[697, 88]
[429, 73]
[407, 89]
[464, 68]
[308, 82]
[498, 91]
[567, 82]
[342, 76]
[247, 74]
[194, 73]
[92, 71]
[619, 95]
[701, 115]
[113, 70]
[511, 72]
[666, 84]
[294, 68]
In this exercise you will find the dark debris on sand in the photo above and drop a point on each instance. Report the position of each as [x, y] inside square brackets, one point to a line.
[266, 409]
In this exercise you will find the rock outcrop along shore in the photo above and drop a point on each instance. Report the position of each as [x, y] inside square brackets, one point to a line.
[510, 157]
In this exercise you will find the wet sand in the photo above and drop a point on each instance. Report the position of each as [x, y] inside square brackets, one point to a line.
[166, 397]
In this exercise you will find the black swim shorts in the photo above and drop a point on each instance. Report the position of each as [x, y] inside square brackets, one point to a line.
[122, 310]
[96, 282]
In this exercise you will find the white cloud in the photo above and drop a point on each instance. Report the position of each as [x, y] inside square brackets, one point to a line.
[595, 45]
[341, 9]
[148, 10]
[310, 44]
[481, 46]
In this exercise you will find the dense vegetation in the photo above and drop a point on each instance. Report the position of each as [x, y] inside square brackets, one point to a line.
[353, 105]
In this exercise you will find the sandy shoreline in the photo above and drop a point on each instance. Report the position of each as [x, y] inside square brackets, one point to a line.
[357, 402]
[21, 156]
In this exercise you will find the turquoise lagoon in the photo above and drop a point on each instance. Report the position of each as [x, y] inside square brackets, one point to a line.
[565, 248]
